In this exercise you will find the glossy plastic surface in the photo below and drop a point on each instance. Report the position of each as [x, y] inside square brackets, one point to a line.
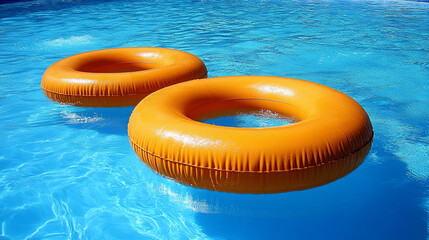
[331, 138]
[118, 77]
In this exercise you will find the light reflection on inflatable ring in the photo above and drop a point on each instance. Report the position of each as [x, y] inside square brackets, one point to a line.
[118, 77]
[331, 137]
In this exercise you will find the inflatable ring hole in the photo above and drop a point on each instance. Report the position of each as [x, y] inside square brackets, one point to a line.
[252, 119]
[115, 66]
[246, 113]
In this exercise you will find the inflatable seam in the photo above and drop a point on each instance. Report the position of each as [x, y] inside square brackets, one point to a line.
[273, 171]
[79, 95]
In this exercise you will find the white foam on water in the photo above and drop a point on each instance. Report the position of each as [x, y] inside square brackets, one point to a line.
[70, 41]
[74, 118]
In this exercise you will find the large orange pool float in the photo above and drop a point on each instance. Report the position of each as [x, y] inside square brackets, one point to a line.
[118, 77]
[331, 137]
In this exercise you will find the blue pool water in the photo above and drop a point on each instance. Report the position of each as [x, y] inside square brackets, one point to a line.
[70, 173]
[252, 119]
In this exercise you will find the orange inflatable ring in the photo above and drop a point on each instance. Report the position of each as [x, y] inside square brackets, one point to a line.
[331, 137]
[118, 77]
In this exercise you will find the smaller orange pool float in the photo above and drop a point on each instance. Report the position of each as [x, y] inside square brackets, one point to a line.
[331, 137]
[118, 77]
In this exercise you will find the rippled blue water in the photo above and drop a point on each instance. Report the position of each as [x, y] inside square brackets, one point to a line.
[69, 173]
[252, 119]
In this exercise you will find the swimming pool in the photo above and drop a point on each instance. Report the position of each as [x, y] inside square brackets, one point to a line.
[70, 173]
